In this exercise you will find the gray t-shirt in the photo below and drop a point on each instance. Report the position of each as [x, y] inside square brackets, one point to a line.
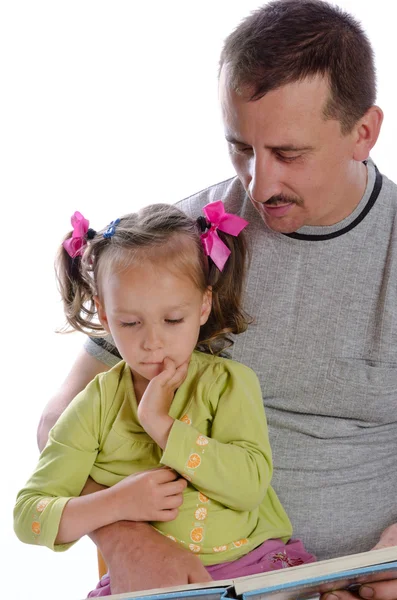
[324, 346]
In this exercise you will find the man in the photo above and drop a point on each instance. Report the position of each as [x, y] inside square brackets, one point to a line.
[297, 91]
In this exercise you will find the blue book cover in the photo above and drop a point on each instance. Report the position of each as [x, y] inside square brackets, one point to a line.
[304, 582]
[308, 581]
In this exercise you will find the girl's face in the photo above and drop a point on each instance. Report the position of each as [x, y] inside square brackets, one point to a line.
[152, 314]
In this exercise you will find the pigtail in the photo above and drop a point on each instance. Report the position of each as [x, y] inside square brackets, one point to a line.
[227, 315]
[76, 289]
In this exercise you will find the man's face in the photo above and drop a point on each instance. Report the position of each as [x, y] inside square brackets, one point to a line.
[297, 168]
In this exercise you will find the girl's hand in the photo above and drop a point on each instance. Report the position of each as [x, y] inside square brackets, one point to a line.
[156, 401]
[149, 496]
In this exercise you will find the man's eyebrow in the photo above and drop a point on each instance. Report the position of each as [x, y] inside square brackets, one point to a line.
[290, 148]
[233, 140]
[281, 148]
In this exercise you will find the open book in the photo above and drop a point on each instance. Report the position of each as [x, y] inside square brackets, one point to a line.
[307, 580]
[303, 582]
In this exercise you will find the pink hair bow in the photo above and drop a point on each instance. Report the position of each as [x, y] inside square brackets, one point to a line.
[74, 245]
[219, 219]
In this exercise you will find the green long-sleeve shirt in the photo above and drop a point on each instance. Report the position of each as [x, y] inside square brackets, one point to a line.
[219, 442]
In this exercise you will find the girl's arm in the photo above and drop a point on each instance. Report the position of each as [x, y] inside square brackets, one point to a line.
[234, 465]
[85, 514]
[153, 495]
[62, 470]
[84, 369]
[49, 510]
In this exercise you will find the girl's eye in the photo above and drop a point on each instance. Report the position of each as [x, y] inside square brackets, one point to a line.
[173, 321]
[132, 324]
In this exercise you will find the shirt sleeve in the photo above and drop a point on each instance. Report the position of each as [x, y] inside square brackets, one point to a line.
[234, 465]
[62, 470]
[103, 349]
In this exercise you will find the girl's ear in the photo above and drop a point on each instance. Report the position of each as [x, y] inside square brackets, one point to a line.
[206, 305]
[101, 314]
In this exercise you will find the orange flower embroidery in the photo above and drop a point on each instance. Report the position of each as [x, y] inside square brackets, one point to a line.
[194, 461]
[202, 440]
[42, 504]
[202, 498]
[196, 534]
[240, 543]
[186, 419]
[36, 527]
[194, 548]
[201, 514]
[219, 548]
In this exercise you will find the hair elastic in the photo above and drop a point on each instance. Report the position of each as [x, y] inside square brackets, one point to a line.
[111, 229]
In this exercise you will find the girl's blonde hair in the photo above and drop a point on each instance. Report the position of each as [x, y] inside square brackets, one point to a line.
[159, 233]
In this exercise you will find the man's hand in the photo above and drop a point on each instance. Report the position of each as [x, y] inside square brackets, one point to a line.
[141, 558]
[152, 495]
[377, 588]
[156, 401]
[388, 538]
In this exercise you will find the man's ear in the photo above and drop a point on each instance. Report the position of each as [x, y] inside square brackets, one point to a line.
[367, 132]
[206, 306]
[101, 313]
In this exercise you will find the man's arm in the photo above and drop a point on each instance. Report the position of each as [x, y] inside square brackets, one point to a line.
[130, 549]
[82, 372]
[140, 558]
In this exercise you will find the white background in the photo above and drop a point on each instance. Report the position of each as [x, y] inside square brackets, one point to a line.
[104, 107]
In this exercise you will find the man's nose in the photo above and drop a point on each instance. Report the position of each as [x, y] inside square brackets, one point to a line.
[264, 178]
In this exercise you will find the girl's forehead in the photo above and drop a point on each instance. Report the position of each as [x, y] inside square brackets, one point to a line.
[156, 251]
[145, 265]
[150, 271]
[179, 254]
[148, 289]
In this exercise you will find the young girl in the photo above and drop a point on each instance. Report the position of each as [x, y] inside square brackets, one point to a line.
[168, 290]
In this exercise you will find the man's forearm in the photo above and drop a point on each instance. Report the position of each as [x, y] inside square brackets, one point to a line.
[51, 414]
[107, 537]
[114, 537]
[91, 486]
[130, 549]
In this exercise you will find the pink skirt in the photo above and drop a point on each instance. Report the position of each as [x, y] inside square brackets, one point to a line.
[269, 556]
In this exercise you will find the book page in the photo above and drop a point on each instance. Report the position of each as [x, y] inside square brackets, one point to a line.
[317, 570]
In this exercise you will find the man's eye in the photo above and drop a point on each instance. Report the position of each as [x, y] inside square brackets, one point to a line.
[131, 324]
[173, 321]
[241, 149]
[285, 158]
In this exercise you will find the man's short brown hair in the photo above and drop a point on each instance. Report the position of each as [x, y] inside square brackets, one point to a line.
[289, 40]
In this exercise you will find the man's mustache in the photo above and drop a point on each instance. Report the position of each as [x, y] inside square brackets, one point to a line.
[281, 199]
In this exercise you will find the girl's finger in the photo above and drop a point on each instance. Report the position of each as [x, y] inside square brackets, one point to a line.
[172, 376]
[169, 365]
[174, 488]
